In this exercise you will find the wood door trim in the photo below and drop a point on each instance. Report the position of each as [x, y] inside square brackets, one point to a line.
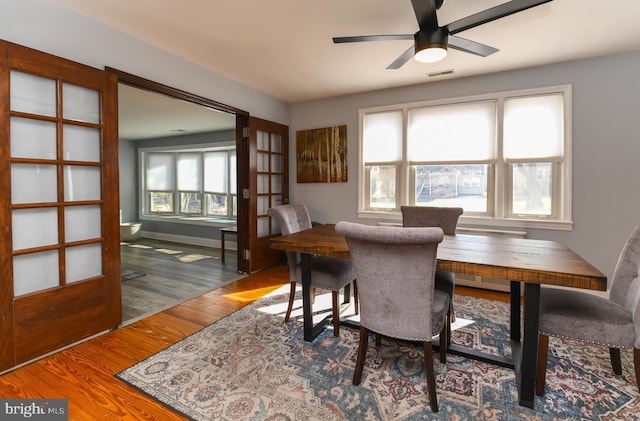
[142, 83]
[7, 353]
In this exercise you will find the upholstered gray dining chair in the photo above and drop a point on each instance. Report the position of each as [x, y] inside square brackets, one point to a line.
[330, 273]
[584, 317]
[447, 219]
[396, 274]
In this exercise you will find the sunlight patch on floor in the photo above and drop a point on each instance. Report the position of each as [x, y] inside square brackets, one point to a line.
[193, 257]
[169, 251]
[249, 295]
[136, 246]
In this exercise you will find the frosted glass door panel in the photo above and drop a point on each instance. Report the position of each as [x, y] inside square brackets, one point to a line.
[263, 227]
[81, 183]
[262, 141]
[276, 184]
[263, 162]
[80, 104]
[84, 262]
[34, 227]
[276, 200]
[81, 143]
[263, 184]
[33, 138]
[35, 272]
[276, 163]
[82, 223]
[32, 94]
[276, 143]
[263, 205]
[33, 183]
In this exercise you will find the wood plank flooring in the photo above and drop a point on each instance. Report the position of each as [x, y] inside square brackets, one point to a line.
[173, 272]
[84, 373]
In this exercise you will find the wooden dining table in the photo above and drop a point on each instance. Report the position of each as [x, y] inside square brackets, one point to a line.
[521, 261]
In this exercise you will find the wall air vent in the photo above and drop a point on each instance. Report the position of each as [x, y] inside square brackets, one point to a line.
[441, 73]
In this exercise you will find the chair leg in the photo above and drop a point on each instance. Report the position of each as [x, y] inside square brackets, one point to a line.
[614, 353]
[543, 349]
[448, 326]
[335, 295]
[355, 297]
[452, 312]
[378, 339]
[431, 376]
[444, 339]
[292, 293]
[362, 354]
[636, 364]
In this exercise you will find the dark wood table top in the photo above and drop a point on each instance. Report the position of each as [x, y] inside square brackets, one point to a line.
[500, 257]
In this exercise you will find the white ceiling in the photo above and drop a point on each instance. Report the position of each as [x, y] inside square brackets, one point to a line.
[284, 47]
[147, 115]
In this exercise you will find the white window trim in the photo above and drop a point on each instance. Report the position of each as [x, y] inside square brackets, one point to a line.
[180, 219]
[499, 220]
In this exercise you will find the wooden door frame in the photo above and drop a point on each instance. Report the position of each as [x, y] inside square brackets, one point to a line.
[242, 161]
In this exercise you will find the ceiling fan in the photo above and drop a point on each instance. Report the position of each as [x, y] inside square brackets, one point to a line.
[432, 41]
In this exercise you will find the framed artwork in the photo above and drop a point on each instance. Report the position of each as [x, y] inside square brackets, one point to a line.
[321, 155]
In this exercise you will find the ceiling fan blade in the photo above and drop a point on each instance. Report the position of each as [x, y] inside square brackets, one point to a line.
[365, 38]
[425, 11]
[468, 46]
[497, 12]
[400, 61]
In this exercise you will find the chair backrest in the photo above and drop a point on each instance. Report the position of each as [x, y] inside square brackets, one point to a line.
[291, 219]
[431, 216]
[625, 283]
[395, 268]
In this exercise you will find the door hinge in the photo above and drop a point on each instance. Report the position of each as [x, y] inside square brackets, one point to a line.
[245, 193]
[245, 132]
[247, 254]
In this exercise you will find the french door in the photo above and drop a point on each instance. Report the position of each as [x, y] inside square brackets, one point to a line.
[59, 238]
[268, 186]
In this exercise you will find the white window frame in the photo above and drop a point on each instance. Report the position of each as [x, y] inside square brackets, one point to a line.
[176, 216]
[499, 207]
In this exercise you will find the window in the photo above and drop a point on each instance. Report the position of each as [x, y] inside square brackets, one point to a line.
[505, 158]
[190, 183]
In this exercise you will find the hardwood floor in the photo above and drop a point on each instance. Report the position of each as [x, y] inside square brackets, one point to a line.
[84, 373]
[171, 273]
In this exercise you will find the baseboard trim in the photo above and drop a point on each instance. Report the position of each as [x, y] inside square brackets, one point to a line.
[184, 239]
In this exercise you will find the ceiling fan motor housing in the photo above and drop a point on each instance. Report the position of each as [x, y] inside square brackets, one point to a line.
[438, 38]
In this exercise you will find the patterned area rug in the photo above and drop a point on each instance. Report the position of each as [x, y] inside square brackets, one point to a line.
[253, 366]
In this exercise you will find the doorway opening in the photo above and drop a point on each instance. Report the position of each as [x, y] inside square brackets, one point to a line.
[171, 253]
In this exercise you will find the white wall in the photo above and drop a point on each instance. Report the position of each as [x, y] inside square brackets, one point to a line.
[45, 26]
[606, 146]
[606, 116]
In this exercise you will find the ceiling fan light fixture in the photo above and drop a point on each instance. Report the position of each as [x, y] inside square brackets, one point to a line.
[430, 47]
[431, 54]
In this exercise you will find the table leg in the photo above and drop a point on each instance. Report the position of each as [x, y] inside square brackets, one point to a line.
[222, 246]
[310, 331]
[515, 310]
[529, 357]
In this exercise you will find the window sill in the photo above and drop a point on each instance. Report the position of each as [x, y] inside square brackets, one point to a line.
[474, 221]
[194, 220]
